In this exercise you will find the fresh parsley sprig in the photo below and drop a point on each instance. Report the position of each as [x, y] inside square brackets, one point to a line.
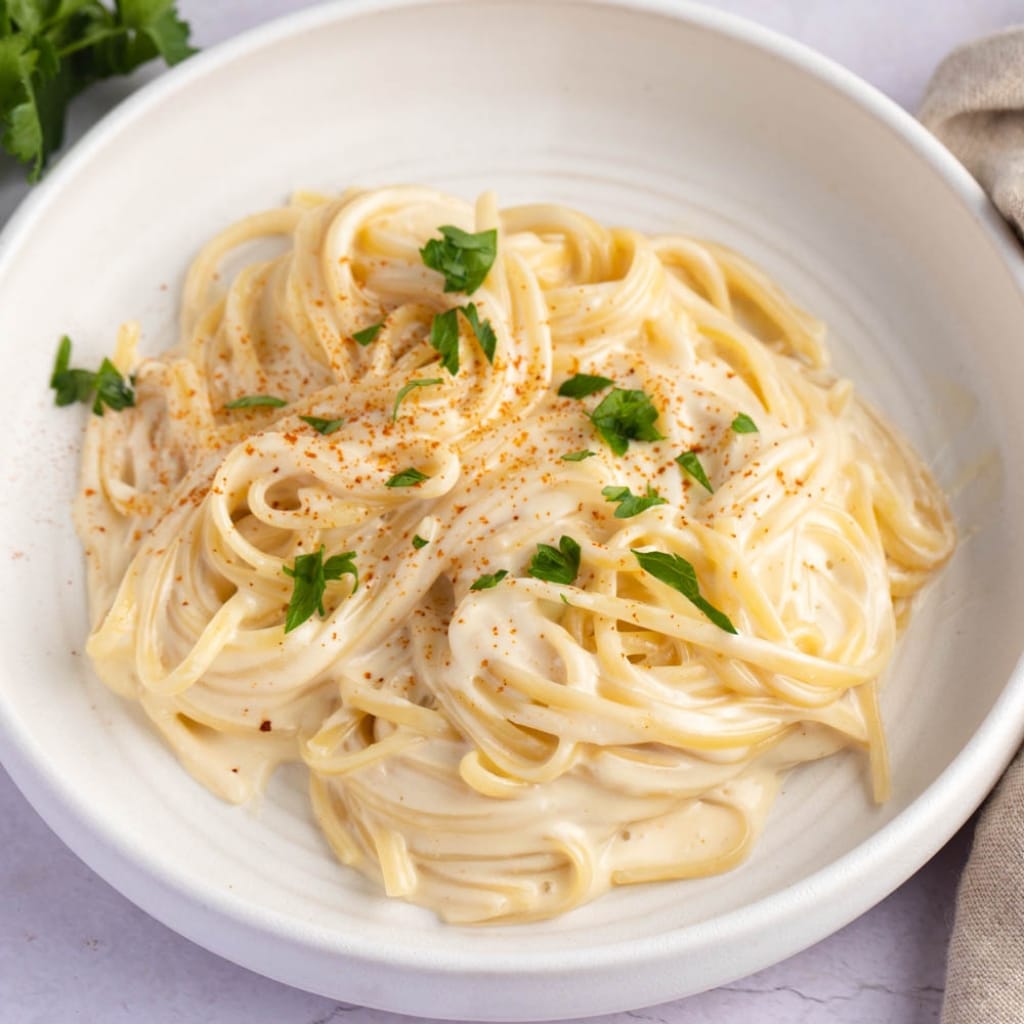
[444, 335]
[690, 463]
[556, 565]
[106, 387]
[680, 575]
[51, 50]
[631, 504]
[623, 416]
[311, 574]
[463, 258]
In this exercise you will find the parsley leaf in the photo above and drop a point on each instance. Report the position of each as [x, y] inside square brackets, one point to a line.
[368, 334]
[311, 574]
[444, 336]
[488, 580]
[691, 464]
[582, 384]
[556, 565]
[322, 426]
[632, 504]
[406, 388]
[251, 401]
[463, 258]
[680, 575]
[482, 329]
[579, 456]
[625, 416]
[743, 424]
[407, 478]
[75, 385]
[418, 542]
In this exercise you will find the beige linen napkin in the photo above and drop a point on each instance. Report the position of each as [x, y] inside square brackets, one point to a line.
[975, 105]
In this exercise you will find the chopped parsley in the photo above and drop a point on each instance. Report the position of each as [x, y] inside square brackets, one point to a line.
[556, 565]
[311, 574]
[322, 426]
[743, 424]
[691, 464]
[250, 401]
[407, 478]
[419, 542]
[680, 575]
[631, 504]
[482, 329]
[625, 416]
[106, 387]
[582, 384]
[464, 259]
[579, 456]
[368, 334]
[404, 390]
[488, 580]
[444, 335]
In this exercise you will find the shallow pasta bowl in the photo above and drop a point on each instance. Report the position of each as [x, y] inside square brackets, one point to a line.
[657, 115]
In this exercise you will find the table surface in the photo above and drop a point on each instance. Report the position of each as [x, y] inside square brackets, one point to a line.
[73, 949]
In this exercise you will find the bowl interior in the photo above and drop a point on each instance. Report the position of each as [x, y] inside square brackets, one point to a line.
[639, 117]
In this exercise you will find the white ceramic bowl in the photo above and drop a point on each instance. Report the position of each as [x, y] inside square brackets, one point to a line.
[654, 114]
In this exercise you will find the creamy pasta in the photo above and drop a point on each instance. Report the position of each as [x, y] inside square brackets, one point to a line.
[538, 643]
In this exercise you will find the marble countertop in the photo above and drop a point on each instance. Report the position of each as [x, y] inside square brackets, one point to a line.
[72, 949]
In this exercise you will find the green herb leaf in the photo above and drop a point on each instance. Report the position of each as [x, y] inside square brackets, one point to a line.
[691, 464]
[463, 258]
[322, 426]
[582, 384]
[412, 385]
[632, 504]
[418, 542]
[112, 390]
[625, 416]
[368, 334]
[311, 575]
[73, 385]
[252, 401]
[407, 478]
[579, 456]
[556, 565]
[489, 580]
[444, 336]
[743, 424]
[680, 575]
[483, 330]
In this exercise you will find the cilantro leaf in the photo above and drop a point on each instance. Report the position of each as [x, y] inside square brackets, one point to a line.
[311, 574]
[743, 424]
[631, 504]
[418, 542]
[74, 385]
[680, 575]
[406, 388]
[579, 456]
[556, 565]
[482, 329]
[321, 425]
[625, 416]
[582, 384]
[444, 336]
[690, 463]
[407, 478]
[488, 580]
[368, 334]
[252, 401]
[463, 258]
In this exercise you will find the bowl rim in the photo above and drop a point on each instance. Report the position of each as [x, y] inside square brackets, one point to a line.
[835, 893]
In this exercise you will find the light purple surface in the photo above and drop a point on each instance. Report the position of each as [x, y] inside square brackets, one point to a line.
[72, 949]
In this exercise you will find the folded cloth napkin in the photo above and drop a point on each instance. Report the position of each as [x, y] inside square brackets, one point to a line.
[975, 105]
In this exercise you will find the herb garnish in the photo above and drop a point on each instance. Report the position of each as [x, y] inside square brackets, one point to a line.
[680, 575]
[404, 390]
[249, 401]
[322, 426]
[488, 580]
[367, 334]
[419, 542]
[463, 258]
[311, 574]
[482, 329]
[407, 478]
[691, 464]
[743, 424]
[582, 384]
[74, 385]
[579, 456]
[556, 565]
[631, 504]
[444, 335]
[625, 416]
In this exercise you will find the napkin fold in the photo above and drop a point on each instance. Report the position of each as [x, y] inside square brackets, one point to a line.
[975, 105]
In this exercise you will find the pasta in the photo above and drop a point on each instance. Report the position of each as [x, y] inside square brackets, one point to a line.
[579, 544]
